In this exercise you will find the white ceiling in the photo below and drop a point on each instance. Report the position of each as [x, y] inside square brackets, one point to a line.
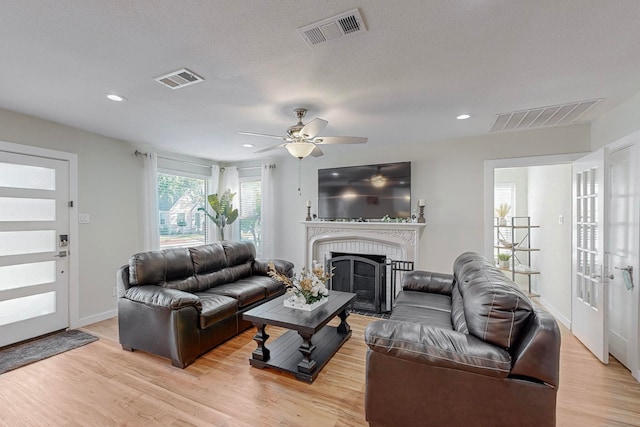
[419, 65]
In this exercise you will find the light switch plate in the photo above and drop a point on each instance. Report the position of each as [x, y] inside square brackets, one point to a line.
[84, 219]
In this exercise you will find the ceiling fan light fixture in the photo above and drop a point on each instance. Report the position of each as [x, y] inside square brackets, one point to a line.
[378, 180]
[300, 150]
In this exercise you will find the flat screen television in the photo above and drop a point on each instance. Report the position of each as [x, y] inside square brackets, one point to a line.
[367, 192]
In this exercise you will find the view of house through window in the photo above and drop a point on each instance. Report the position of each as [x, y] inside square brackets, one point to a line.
[250, 212]
[180, 222]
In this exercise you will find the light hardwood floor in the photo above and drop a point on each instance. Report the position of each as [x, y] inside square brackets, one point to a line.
[102, 385]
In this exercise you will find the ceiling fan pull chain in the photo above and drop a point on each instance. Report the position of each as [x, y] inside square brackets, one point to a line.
[299, 177]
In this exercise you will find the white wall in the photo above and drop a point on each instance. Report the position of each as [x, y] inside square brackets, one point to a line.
[550, 197]
[617, 123]
[109, 176]
[448, 174]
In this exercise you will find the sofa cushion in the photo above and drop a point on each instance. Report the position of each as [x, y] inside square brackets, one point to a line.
[424, 300]
[271, 286]
[238, 252]
[457, 312]
[215, 308]
[208, 258]
[437, 318]
[162, 267]
[496, 311]
[244, 291]
[426, 281]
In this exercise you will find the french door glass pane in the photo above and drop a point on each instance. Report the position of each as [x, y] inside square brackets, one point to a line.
[27, 242]
[23, 308]
[22, 209]
[22, 275]
[25, 176]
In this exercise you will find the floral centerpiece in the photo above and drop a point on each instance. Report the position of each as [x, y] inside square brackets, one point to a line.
[307, 290]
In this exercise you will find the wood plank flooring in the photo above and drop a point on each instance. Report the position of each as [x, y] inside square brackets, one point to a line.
[102, 385]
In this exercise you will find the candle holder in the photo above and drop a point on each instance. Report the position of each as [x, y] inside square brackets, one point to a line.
[308, 213]
[421, 219]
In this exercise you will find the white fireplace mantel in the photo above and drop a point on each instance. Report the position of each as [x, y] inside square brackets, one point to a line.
[396, 240]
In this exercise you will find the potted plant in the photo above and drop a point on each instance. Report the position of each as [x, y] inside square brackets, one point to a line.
[502, 210]
[223, 212]
[504, 260]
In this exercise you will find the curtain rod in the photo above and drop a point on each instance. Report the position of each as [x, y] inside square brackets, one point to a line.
[248, 168]
[140, 153]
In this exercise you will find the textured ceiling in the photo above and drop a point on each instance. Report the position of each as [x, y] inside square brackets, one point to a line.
[403, 81]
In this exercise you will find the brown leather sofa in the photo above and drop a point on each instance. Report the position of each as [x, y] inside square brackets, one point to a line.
[180, 303]
[468, 349]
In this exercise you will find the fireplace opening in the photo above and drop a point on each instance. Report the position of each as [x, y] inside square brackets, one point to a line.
[362, 274]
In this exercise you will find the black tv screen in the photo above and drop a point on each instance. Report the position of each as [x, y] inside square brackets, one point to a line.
[367, 192]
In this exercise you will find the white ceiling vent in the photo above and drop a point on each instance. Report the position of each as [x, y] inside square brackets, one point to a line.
[336, 27]
[179, 79]
[556, 115]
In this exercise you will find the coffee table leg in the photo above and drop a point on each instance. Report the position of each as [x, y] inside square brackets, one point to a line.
[307, 365]
[261, 353]
[344, 327]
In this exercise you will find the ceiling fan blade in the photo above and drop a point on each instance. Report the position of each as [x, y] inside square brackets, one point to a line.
[273, 147]
[340, 140]
[314, 127]
[263, 134]
[317, 152]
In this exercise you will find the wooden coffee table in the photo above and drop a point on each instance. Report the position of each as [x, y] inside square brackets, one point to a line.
[310, 342]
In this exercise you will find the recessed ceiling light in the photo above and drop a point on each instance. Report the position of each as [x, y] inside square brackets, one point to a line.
[463, 116]
[117, 98]
[248, 145]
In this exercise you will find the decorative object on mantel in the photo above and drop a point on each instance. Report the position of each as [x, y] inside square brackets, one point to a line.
[421, 204]
[308, 210]
[222, 207]
[308, 290]
[502, 210]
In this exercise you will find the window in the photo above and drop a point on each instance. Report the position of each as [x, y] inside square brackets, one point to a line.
[250, 212]
[504, 193]
[179, 197]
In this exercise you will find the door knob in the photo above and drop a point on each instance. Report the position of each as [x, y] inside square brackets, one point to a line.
[61, 254]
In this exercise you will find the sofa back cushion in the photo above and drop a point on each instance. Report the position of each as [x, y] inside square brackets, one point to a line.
[169, 268]
[495, 309]
[208, 258]
[239, 252]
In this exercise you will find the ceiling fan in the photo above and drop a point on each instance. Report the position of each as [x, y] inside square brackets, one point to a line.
[302, 140]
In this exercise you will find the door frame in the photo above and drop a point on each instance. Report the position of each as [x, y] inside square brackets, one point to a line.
[516, 162]
[73, 248]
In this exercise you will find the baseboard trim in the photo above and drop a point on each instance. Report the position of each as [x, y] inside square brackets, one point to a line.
[555, 313]
[95, 318]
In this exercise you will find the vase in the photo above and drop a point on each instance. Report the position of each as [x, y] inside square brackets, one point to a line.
[292, 303]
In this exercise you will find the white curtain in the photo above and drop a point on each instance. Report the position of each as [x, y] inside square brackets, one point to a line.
[151, 234]
[214, 187]
[231, 180]
[267, 219]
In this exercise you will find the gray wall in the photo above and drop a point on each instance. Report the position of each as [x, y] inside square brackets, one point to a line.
[108, 183]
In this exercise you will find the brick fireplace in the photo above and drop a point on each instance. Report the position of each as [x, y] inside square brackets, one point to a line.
[394, 241]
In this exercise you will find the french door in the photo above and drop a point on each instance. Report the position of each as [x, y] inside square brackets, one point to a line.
[589, 272]
[34, 234]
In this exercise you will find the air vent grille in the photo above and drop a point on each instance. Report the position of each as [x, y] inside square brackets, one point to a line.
[555, 115]
[336, 27]
[179, 79]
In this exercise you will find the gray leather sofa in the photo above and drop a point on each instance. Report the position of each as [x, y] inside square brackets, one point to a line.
[180, 303]
[467, 349]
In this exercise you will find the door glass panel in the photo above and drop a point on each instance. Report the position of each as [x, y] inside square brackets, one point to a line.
[25, 176]
[22, 275]
[21, 209]
[27, 242]
[23, 308]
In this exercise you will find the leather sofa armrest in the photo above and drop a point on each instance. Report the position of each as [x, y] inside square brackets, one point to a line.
[261, 266]
[156, 296]
[426, 281]
[430, 345]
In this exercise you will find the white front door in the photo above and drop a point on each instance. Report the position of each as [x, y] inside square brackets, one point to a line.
[34, 223]
[621, 247]
[589, 282]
